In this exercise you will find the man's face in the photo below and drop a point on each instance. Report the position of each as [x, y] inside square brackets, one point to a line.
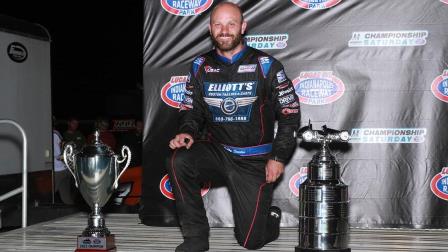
[226, 28]
[73, 124]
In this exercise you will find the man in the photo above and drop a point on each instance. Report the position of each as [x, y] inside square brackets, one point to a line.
[106, 137]
[72, 135]
[235, 93]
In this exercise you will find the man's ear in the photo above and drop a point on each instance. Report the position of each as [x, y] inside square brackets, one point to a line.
[243, 27]
[209, 28]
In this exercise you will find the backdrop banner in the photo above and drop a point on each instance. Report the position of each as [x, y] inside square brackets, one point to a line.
[378, 69]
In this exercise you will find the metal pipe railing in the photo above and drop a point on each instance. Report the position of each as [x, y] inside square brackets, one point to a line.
[24, 188]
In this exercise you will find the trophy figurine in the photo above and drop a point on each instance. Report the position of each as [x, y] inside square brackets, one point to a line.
[96, 172]
[323, 197]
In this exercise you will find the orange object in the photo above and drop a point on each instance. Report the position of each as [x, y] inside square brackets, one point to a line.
[133, 175]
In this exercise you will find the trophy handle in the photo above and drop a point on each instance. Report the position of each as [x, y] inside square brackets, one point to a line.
[126, 154]
[69, 159]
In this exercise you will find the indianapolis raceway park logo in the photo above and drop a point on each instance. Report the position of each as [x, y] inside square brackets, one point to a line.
[388, 135]
[173, 92]
[267, 41]
[297, 179]
[439, 184]
[167, 190]
[388, 38]
[318, 87]
[316, 4]
[439, 86]
[186, 7]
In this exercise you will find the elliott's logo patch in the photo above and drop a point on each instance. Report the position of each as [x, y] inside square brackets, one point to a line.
[230, 101]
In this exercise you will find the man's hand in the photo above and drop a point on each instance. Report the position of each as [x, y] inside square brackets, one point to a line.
[273, 170]
[181, 140]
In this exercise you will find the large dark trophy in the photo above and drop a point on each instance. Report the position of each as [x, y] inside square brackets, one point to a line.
[96, 172]
[323, 197]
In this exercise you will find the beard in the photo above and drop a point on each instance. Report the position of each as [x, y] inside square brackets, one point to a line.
[227, 45]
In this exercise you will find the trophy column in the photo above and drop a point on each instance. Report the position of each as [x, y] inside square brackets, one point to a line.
[323, 198]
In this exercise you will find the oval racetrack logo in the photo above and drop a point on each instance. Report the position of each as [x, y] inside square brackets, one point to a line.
[439, 86]
[439, 184]
[316, 4]
[173, 92]
[318, 87]
[186, 7]
[167, 190]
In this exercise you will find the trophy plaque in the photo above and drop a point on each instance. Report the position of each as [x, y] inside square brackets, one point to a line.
[96, 172]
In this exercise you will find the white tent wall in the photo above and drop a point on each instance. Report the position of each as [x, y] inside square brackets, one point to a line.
[25, 97]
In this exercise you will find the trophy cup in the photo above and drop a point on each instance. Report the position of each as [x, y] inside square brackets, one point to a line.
[96, 172]
[323, 197]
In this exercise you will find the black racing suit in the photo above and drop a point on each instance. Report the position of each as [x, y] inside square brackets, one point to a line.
[237, 102]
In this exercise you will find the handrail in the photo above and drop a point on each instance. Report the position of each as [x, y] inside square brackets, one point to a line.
[24, 188]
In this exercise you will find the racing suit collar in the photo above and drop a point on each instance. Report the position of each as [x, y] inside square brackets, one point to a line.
[235, 57]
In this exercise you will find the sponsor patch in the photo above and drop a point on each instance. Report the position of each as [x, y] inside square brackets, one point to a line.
[209, 69]
[281, 76]
[388, 38]
[439, 184]
[286, 91]
[265, 63]
[173, 92]
[167, 190]
[230, 101]
[316, 4]
[439, 86]
[267, 41]
[297, 179]
[197, 63]
[388, 135]
[287, 111]
[318, 87]
[247, 68]
[186, 7]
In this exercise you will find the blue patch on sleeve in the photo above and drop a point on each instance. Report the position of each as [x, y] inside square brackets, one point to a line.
[197, 63]
[265, 63]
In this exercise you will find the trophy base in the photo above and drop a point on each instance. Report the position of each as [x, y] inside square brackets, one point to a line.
[322, 250]
[96, 244]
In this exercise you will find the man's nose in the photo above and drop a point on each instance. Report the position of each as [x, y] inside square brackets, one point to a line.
[225, 28]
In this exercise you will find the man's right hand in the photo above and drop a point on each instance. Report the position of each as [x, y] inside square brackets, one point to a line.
[181, 140]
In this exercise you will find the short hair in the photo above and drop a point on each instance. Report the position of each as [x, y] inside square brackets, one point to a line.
[72, 118]
[230, 4]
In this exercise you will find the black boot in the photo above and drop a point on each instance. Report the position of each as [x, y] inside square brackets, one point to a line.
[275, 215]
[193, 244]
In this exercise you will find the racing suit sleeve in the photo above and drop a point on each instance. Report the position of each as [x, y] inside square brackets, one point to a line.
[287, 112]
[191, 109]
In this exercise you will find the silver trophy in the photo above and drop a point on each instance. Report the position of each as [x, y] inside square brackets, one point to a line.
[96, 172]
[323, 197]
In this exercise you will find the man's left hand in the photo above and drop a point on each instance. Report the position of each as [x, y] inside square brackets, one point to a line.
[274, 170]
